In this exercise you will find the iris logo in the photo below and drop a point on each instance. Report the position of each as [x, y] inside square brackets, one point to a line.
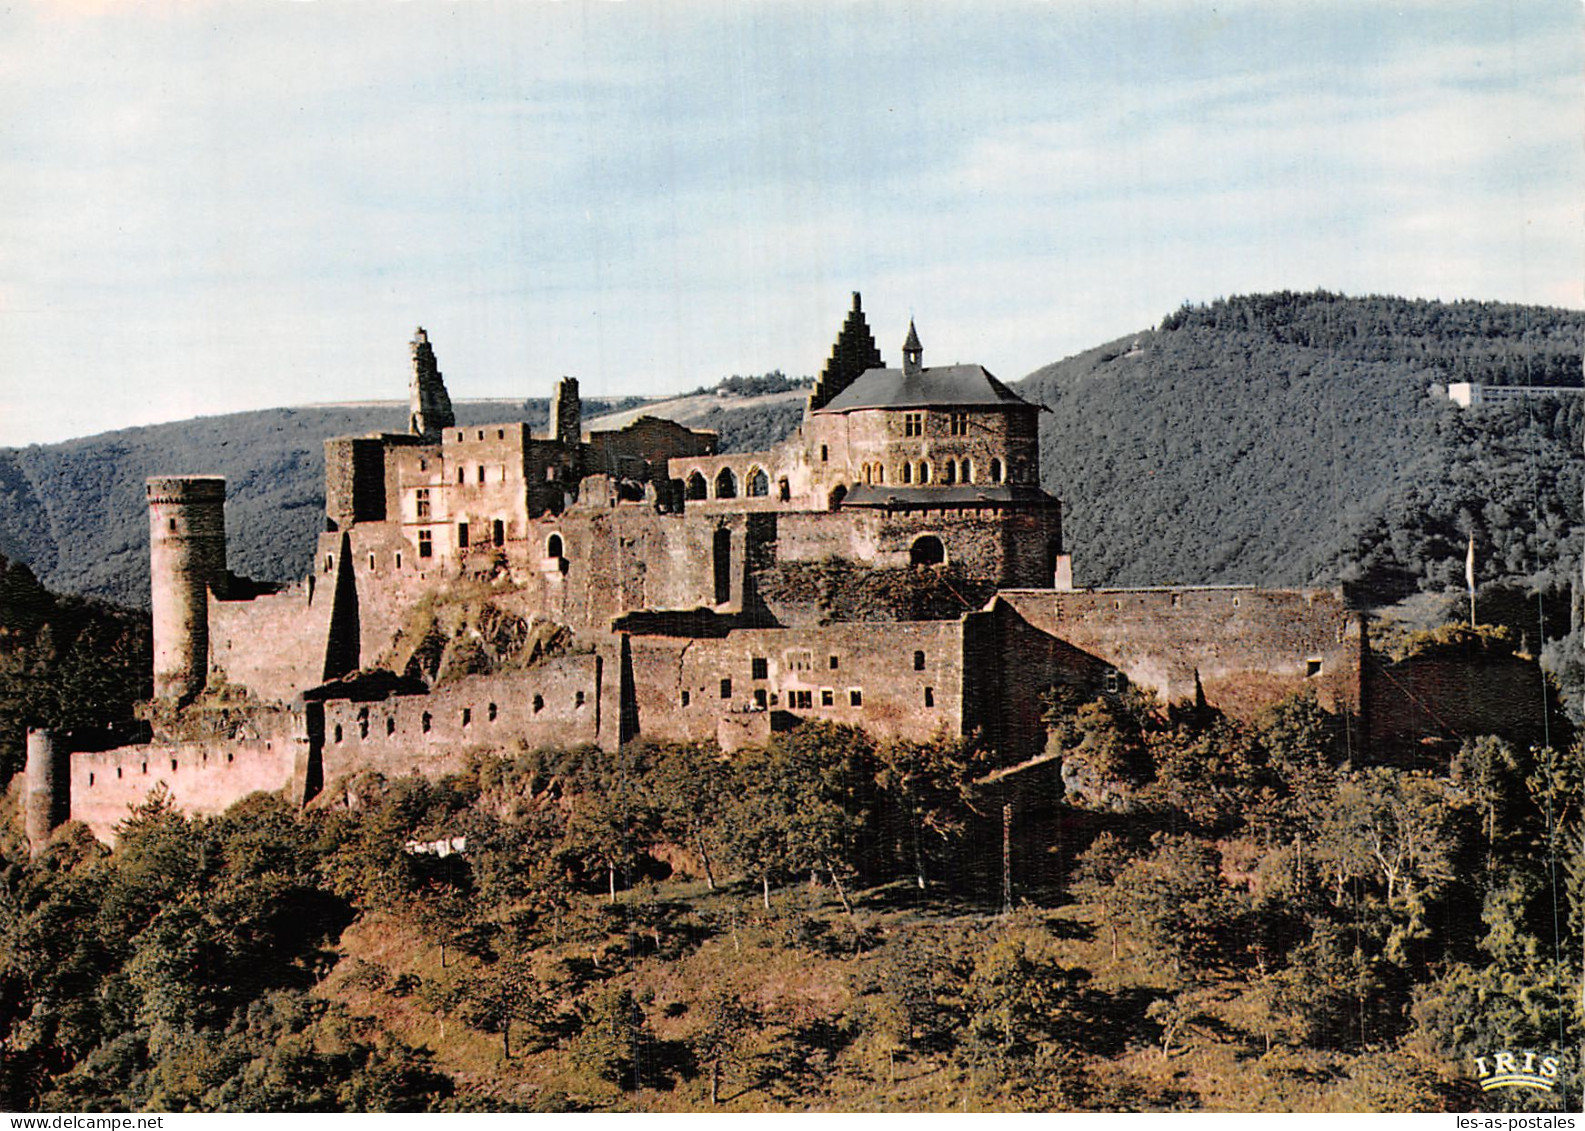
[1516, 1070]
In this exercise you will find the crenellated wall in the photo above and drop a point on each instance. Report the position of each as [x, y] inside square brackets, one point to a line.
[202, 777]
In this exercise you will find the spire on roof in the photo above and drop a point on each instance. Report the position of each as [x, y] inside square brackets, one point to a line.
[853, 354]
[913, 352]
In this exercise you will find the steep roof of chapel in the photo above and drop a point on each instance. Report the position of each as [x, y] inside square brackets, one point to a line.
[944, 386]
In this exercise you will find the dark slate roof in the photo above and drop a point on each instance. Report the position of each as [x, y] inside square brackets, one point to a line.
[961, 495]
[941, 385]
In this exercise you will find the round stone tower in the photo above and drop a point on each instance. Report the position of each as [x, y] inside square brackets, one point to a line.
[48, 777]
[187, 555]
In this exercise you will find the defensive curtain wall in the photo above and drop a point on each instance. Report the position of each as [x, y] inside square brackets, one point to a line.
[696, 597]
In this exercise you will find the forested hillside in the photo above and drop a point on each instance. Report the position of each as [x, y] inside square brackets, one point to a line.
[1285, 439]
[65, 662]
[1273, 439]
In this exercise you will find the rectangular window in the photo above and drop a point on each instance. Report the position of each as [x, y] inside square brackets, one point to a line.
[759, 667]
[828, 698]
[855, 697]
[426, 545]
[1312, 667]
[423, 502]
[913, 424]
[930, 697]
[800, 700]
[958, 423]
[825, 453]
[800, 660]
[760, 698]
[833, 663]
[481, 473]
[726, 689]
[462, 535]
[1112, 681]
[684, 698]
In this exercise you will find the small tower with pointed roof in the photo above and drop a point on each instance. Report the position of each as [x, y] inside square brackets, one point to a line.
[429, 405]
[913, 353]
[853, 354]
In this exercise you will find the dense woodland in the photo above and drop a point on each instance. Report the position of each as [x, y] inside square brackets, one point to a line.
[1216, 915]
[68, 663]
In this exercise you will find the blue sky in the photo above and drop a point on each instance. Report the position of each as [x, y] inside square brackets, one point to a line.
[213, 207]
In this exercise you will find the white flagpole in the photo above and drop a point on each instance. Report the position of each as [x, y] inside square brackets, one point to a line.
[1469, 576]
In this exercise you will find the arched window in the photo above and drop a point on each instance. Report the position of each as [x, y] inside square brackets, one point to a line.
[696, 487]
[783, 490]
[908, 473]
[949, 474]
[554, 547]
[838, 493]
[726, 484]
[924, 471]
[966, 472]
[758, 483]
[869, 473]
[880, 473]
[927, 551]
[996, 471]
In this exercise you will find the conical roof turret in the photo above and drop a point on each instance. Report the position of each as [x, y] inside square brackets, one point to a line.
[913, 352]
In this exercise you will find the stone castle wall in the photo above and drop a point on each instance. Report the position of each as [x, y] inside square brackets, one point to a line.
[1249, 646]
[567, 701]
[202, 778]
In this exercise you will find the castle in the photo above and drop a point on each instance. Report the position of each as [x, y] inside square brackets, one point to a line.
[894, 564]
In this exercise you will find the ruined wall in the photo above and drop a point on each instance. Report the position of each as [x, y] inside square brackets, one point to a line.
[907, 683]
[566, 701]
[1434, 703]
[355, 480]
[203, 778]
[643, 448]
[274, 644]
[1250, 646]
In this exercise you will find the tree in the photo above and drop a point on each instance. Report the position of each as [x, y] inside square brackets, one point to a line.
[726, 1023]
[614, 820]
[929, 781]
[615, 1041]
[506, 991]
[691, 786]
[1095, 882]
[1178, 906]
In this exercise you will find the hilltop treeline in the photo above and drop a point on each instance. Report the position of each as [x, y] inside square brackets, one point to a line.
[65, 662]
[1218, 915]
[755, 385]
[1288, 439]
